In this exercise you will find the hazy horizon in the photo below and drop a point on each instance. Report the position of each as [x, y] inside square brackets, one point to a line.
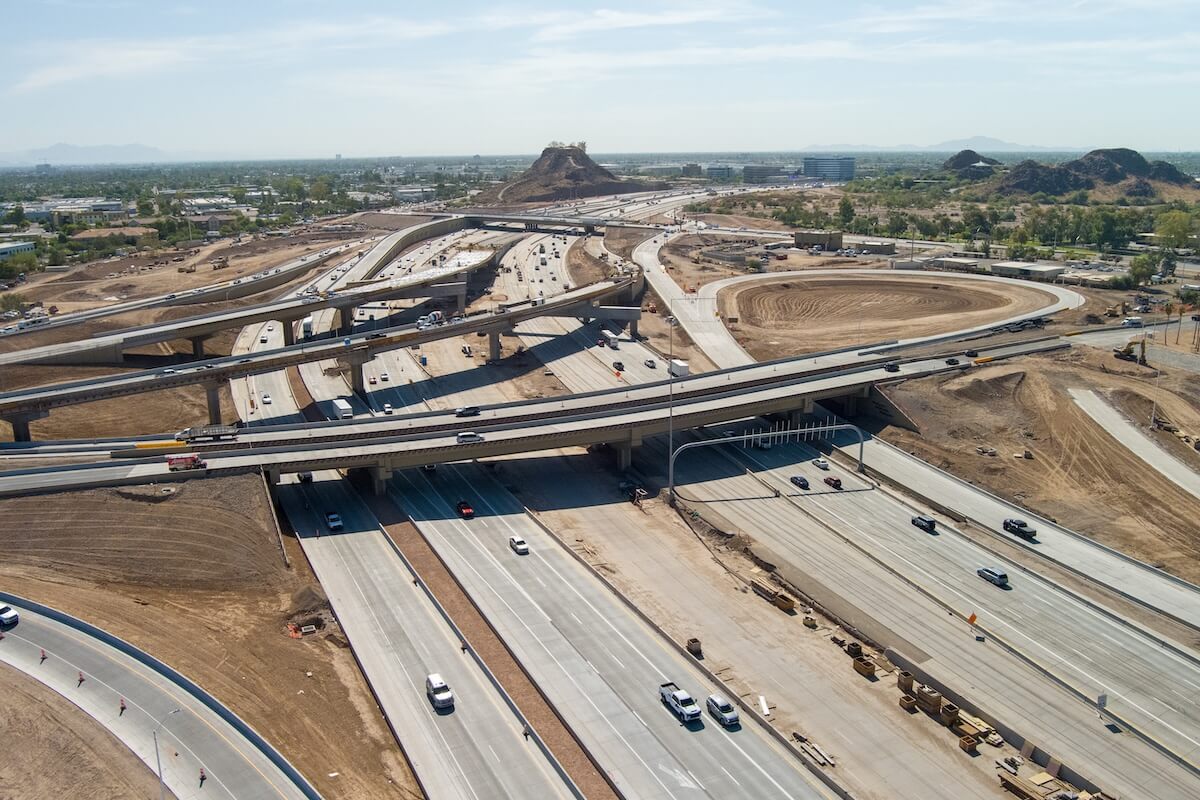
[305, 80]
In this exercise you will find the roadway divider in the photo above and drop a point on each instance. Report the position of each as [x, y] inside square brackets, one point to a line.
[1017, 652]
[512, 705]
[185, 683]
[828, 780]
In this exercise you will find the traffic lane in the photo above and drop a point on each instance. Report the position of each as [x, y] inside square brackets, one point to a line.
[192, 739]
[399, 638]
[1035, 616]
[922, 630]
[632, 756]
[634, 661]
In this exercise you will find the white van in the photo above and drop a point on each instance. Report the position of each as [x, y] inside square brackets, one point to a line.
[993, 575]
[469, 437]
[1131, 322]
[438, 692]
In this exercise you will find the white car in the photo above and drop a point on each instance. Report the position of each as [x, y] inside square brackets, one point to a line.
[383, 376]
[820, 463]
[387, 408]
[8, 616]
[333, 521]
[518, 545]
[266, 399]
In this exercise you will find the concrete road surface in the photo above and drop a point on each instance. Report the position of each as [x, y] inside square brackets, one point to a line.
[190, 739]
[476, 750]
[599, 664]
[1138, 442]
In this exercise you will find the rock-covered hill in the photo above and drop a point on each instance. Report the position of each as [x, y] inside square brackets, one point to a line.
[560, 173]
[1120, 167]
[967, 158]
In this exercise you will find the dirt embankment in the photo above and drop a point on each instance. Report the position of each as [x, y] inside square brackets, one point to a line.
[196, 577]
[1079, 475]
[801, 315]
[622, 240]
[55, 750]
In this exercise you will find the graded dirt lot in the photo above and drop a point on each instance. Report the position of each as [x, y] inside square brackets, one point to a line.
[791, 316]
[61, 751]
[1079, 474]
[197, 578]
[622, 241]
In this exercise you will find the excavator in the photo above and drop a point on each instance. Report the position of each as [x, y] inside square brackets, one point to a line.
[1118, 310]
[1126, 353]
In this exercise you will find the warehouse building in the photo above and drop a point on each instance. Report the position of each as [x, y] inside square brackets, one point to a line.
[826, 240]
[1027, 270]
[10, 249]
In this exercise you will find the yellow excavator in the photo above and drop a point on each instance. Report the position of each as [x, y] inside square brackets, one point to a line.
[1118, 310]
[1127, 353]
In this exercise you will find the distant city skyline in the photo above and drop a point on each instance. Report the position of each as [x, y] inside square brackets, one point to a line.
[308, 80]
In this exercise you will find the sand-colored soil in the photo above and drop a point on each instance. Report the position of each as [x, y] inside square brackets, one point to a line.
[800, 315]
[61, 751]
[1079, 475]
[197, 578]
[622, 241]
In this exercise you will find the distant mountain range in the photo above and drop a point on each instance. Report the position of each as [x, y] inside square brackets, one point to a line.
[62, 154]
[980, 143]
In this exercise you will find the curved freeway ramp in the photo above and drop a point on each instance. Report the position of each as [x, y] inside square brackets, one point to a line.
[97, 671]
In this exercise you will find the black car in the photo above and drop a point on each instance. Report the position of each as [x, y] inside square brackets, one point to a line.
[1020, 527]
[800, 480]
[467, 411]
[891, 366]
[619, 366]
[971, 354]
[953, 362]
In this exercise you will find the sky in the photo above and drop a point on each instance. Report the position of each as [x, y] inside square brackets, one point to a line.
[309, 78]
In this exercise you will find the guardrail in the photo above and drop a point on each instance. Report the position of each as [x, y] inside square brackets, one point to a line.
[176, 677]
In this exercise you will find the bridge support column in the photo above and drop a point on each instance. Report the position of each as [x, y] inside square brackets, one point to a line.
[345, 321]
[212, 396]
[633, 329]
[494, 346]
[624, 456]
[355, 361]
[289, 332]
[461, 298]
[20, 424]
[272, 476]
[380, 475]
[797, 416]
[198, 347]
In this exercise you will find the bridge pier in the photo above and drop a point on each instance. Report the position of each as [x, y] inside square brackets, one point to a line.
[272, 476]
[493, 345]
[633, 329]
[289, 332]
[796, 417]
[355, 361]
[461, 298]
[212, 396]
[345, 321]
[380, 475]
[20, 424]
[624, 456]
[198, 347]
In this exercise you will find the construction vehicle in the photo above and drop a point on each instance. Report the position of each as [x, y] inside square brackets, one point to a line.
[185, 462]
[207, 432]
[1126, 353]
[772, 595]
[1118, 310]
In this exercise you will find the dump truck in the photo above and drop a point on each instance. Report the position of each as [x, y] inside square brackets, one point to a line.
[185, 462]
[206, 433]
[681, 704]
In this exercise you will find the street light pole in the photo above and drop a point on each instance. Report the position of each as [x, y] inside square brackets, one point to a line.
[157, 758]
[670, 403]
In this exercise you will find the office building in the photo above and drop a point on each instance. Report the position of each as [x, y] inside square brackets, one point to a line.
[720, 173]
[758, 173]
[830, 168]
[692, 171]
[9, 249]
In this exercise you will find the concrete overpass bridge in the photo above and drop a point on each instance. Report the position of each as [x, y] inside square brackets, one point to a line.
[622, 418]
[25, 405]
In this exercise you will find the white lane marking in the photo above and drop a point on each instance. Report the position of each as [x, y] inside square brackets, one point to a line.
[735, 780]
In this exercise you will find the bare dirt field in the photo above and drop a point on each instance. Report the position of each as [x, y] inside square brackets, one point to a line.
[1079, 475]
[801, 315]
[61, 751]
[196, 577]
[741, 221]
[90, 286]
[385, 222]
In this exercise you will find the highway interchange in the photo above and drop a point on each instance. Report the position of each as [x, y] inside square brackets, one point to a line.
[1044, 649]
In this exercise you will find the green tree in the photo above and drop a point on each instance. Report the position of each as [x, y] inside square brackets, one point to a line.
[845, 211]
[319, 191]
[1142, 267]
[1174, 229]
[16, 216]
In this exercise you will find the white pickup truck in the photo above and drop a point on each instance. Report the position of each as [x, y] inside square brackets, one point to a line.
[680, 702]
